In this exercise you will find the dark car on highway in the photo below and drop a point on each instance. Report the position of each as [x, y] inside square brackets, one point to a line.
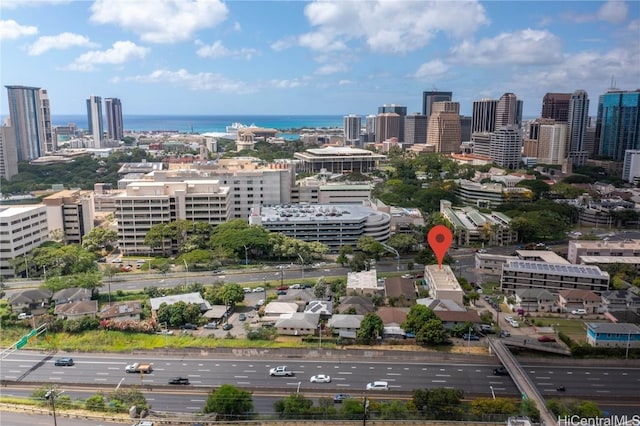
[339, 397]
[179, 381]
[64, 362]
[500, 371]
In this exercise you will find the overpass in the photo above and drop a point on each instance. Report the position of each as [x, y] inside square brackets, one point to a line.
[534, 345]
[521, 380]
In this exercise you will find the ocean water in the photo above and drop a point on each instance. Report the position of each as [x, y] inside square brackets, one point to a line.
[208, 123]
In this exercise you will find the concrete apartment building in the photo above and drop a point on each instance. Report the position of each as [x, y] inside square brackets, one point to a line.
[145, 204]
[443, 284]
[22, 228]
[577, 249]
[489, 195]
[491, 264]
[72, 212]
[333, 225]
[471, 226]
[338, 160]
[519, 274]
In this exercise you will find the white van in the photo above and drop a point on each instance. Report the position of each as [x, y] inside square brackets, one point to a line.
[378, 386]
[579, 312]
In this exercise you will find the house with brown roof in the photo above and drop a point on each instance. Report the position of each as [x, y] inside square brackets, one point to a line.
[359, 305]
[74, 294]
[126, 311]
[536, 300]
[33, 300]
[77, 310]
[451, 319]
[298, 324]
[392, 316]
[400, 291]
[569, 300]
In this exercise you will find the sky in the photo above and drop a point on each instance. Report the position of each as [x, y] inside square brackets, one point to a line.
[213, 57]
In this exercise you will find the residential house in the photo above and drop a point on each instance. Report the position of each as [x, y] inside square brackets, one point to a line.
[33, 300]
[322, 307]
[364, 282]
[77, 310]
[188, 298]
[392, 318]
[126, 311]
[299, 296]
[536, 300]
[451, 319]
[346, 326]
[400, 291]
[69, 295]
[569, 300]
[613, 335]
[359, 305]
[273, 310]
[218, 313]
[298, 324]
[620, 300]
[440, 304]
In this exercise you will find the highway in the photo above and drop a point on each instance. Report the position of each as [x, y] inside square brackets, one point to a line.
[105, 371]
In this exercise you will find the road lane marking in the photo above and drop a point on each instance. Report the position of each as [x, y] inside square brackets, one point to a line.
[343, 385]
[543, 377]
[545, 384]
[345, 372]
[207, 371]
[102, 374]
[99, 380]
[197, 400]
[243, 383]
[394, 374]
[240, 377]
[443, 375]
[193, 408]
[55, 378]
[438, 381]
[194, 375]
[602, 391]
[249, 371]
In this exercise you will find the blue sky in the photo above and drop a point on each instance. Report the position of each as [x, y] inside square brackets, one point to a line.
[210, 57]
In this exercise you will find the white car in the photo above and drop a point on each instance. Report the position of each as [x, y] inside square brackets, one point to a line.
[508, 318]
[378, 386]
[247, 290]
[258, 289]
[320, 378]
[280, 370]
[579, 312]
[514, 324]
[295, 287]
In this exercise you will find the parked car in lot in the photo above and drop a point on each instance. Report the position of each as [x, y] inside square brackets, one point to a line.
[339, 397]
[211, 325]
[258, 289]
[281, 292]
[500, 371]
[283, 287]
[378, 385]
[579, 312]
[468, 336]
[247, 290]
[179, 381]
[189, 326]
[320, 378]
[514, 323]
[508, 318]
[546, 339]
[24, 315]
[64, 362]
[280, 370]
[296, 287]
[242, 317]
[227, 327]
[487, 329]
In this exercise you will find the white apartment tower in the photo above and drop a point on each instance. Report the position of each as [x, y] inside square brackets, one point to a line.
[577, 128]
[352, 126]
[94, 118]
[505, 148]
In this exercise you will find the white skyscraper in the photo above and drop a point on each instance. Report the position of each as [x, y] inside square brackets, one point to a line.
[506, 147]
[94, 118]
[352, 126]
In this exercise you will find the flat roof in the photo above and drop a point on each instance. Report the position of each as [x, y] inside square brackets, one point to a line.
[543, 255]
[614, 328]
[629, 260]
[443, 279]
[316, 212]
[8, 211]
[556, 268]
[586, 244]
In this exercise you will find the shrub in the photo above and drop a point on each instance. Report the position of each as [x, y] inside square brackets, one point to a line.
[95, 402]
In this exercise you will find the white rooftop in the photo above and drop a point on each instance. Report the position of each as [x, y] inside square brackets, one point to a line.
[556, 269]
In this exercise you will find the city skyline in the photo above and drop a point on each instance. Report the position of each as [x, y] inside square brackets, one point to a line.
[243, 57]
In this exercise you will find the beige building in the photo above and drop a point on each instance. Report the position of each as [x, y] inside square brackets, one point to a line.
[387, 126]
[443, 284]
[364, 282]
[22, 228]
[338, 160]
[578, 248]
[444, 127]
[72, 212]
[145, 204]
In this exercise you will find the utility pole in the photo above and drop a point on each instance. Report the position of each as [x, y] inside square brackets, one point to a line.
[51, 396]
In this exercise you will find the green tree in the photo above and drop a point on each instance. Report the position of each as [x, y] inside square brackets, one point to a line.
[237, 234]
[417, 317]
[95, 402]
[320, 289]
[403, 243]
[439, 403]
[229, 403]
[432, 333]
[123, 399]
[294, 406]
[98, 238]
[352, 409]
[370, 329]
[232, 293]
[482, 407]
[158, 236]
[538, 187]
[370, 246]
[529, 408]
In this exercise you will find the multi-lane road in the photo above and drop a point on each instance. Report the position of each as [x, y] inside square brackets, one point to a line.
[105, 371]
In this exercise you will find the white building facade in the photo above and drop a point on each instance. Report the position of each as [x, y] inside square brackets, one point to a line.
[22, 228]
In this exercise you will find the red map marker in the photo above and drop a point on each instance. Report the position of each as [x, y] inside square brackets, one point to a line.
[440, 238]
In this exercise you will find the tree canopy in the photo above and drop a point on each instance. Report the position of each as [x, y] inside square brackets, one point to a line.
[229, 403]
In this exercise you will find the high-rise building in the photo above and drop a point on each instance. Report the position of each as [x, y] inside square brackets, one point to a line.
[8, 153]
[465, 128]
[415, 129]
[552, 142]
[94, 118]
[556, 106]
[508, 111]
[26, 113]
[619, 123]
[402, 113]
[483, 118]
[577, 128]
[387, 126]
[506, 146]
[631, 166]
[428, 98]
[352, 126]
[50, 143]
[370, 128]
[115, 128]
[444, 127]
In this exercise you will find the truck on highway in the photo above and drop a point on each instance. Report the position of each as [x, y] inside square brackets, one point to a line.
[138, 367]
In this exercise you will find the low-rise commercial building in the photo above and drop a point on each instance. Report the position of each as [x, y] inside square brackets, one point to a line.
[443, 284]
[578, 248]
[518, 274]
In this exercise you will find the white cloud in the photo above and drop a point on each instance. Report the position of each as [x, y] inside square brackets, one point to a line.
[344, 82]
[11, 30]
[389, 26]
[287, 84]
[431, 69]
[332, 68]
[525, 47]
[121, 52]
[613, 12]
[283, 44]
[200, 81]
[8, 4]
[160, 21]
[61, 41]
[217, 50]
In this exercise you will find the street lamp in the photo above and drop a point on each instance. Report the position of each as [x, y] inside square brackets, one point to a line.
[493, 394]
[301, 264]
[246, 255]
[468, 339]
[320, 335]
[186, 277]
[51, 396]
